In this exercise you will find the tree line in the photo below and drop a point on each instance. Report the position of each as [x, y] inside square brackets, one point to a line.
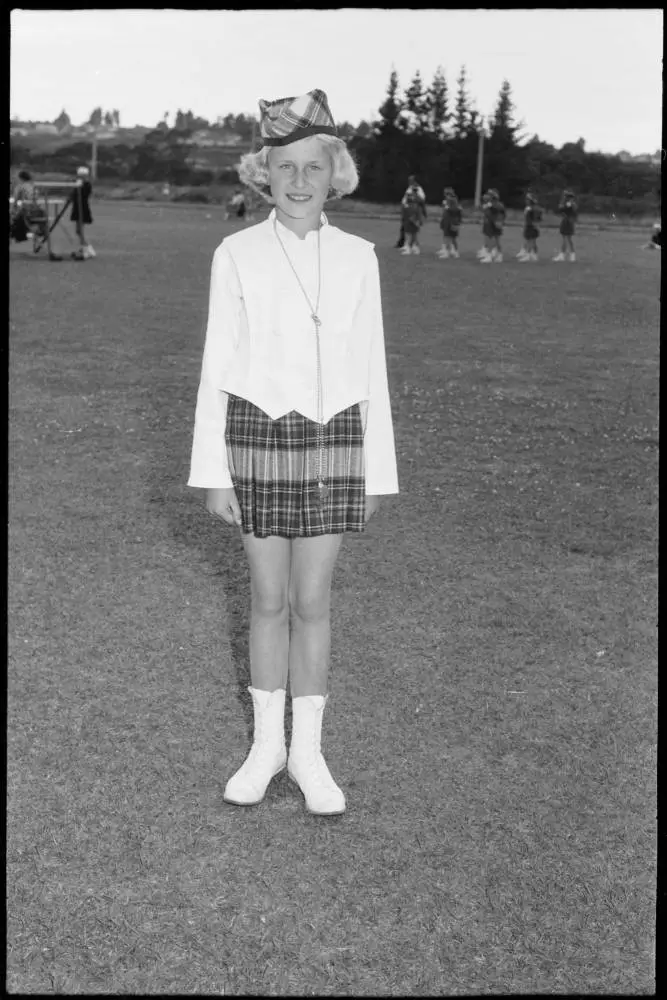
[420, 130]
[423, 131]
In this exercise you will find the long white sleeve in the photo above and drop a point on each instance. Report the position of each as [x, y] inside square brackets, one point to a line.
[209, 466]
[379, 450]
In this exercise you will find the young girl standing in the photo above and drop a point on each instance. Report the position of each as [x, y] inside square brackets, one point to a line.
[450, 223]
[293, 438]
[413, 210]
[568, 212]
[81, 215]
[532, 214]
[413, 188]
[493, 230]
[485, 249]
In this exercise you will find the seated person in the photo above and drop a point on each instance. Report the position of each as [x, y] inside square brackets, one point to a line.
[655, 243]
[26, 214]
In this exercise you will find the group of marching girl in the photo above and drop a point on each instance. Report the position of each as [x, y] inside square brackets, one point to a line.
[413, 215]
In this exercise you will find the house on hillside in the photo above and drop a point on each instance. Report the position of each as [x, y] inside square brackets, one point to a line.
[653, 158]
[46, 128]
[215, 137]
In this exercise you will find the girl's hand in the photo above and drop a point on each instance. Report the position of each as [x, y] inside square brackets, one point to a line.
[224, 505]
[372, 506]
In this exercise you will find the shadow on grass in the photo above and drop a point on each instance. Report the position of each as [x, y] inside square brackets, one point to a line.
[43, 258]
[216, 549]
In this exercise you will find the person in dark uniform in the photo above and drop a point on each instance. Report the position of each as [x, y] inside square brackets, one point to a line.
[485, 248]
[413, 213]
[413, 190]
[450, 224]
[81, 215]
[532, 214]
[568, 213]
[236, 205]
[494, 219]
[24, 208]
[655, 243]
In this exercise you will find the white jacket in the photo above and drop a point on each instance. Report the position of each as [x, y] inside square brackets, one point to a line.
[260, 342]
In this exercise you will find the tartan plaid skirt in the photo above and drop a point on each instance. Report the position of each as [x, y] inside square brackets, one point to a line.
[274, 467]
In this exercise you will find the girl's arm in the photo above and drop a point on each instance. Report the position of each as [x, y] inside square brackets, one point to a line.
[209, 467]
[379, 451]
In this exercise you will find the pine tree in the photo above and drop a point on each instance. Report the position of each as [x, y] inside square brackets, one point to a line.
[506, 162]
[503, 126]
[418, 105]
[63, 121]
[95, 118]
[390, 110]
[463, 115]
[438, 104]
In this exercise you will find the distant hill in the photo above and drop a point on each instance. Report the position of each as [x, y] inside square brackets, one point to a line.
[214, 159]
[49, 141]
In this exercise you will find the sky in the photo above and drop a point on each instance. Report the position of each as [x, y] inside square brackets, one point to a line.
[595, 74]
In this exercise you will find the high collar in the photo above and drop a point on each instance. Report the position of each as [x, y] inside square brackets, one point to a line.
[286, 233]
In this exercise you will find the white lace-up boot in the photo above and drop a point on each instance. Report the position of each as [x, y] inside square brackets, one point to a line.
[306, 765]
[267, 755]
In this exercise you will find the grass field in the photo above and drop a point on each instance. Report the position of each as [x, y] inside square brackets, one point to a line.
[492, 718]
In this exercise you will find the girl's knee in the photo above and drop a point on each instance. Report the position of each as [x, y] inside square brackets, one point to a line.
[270, 603]
[310, 609]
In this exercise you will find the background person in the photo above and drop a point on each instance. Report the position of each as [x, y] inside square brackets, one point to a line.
[24, 207]
[413, 211]
[494, 221]
[655, 242]
[81, 215]
[293, 439]
[485, 248]
[450, 224]
[532, 214]
[568, 212]
[236, 205]
[413, 189]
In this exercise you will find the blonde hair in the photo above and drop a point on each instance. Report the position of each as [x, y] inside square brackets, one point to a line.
[253, 168]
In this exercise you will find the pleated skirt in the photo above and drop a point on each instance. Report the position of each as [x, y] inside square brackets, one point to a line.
[274, 469]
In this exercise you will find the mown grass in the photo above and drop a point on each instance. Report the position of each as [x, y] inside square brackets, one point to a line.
[492, 716]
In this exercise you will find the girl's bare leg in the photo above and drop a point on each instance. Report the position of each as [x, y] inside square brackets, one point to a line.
[269, 560]
[313, 561]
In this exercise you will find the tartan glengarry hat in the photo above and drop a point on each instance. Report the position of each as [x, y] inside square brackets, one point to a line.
[291, 118]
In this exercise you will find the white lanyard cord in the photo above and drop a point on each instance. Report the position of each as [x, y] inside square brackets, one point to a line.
[317, 322]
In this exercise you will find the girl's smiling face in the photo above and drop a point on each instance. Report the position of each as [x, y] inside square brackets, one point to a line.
[300, 178]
